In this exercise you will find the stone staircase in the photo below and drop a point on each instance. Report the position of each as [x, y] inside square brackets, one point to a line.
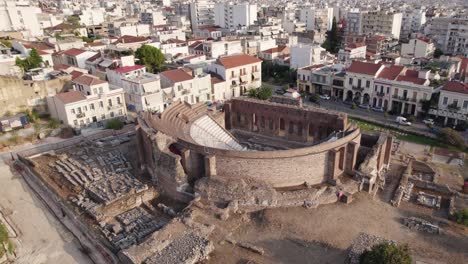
[205, 131]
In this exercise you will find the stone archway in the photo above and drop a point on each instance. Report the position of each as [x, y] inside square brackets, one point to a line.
[349, 96]
[357, 98]
[366, 99]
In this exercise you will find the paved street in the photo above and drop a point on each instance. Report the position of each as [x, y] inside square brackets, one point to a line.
[340, 106]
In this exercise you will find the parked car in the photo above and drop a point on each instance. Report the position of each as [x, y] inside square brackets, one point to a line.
[378, 109]
[324, 96]
[403, 121]
[364, 106]
[428, 121]
[280, 91]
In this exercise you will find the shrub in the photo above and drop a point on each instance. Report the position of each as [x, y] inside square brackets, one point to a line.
[461, 217]
[54, 123]
[353, 106]
[263, 93]
[252, 93]
[411, 118]
[387, 253]
[451, 137]
[115, 124]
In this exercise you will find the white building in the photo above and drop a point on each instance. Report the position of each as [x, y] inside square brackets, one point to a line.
[231, 15]
[354, 22]
[143, 92]
[20, 16]
[116, 76]
[382, 23]
[73, 57]
[304, 55]
[242, 72]
[91, 102]
[418, 48]
[352, 51]
[215, 49]
[153, 18]
[412, 22]
[453, 104]
[91, 17]
[191, 85]
[307, 16]
[201, 13]
[457, 37]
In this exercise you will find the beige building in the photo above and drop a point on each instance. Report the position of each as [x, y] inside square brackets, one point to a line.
[91, 102]
[453, 104]
[382, 23]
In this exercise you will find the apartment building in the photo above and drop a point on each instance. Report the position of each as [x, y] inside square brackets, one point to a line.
[20, 16]
[242, 72]
[143, 92]
[418, 48]
[382, 23]
[190, 85]
[73, 57]
[231, 15]
[452, 108]
[412, 22]
[303, 55]
[307, 16]
[215, 49]
[91, 103]
[202, 13]
[353, 22]
[352, 51]
[92, 16]
[457, 37]
[153, 18]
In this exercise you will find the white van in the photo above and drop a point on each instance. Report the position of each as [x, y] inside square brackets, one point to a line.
[402, 121]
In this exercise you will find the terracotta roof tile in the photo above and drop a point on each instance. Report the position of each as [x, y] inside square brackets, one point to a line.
[71, 97]
[177, 75]
[390, 73]
[75, 74]
[411, 76]
[130, 39]
[73, 52]
[237, 60]
[88, 80]
[275, 49]
[127, 69]
[364, 68]
[456, 87]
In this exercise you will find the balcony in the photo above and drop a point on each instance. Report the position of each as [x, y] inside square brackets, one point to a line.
[356, 88]
[80, 115]
[453, 108]
[380, 94]
[112, 107]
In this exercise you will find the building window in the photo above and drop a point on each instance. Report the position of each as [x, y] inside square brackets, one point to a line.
[72, 111]
[375, 88]
[85, 108]
[101, 104]
[118, 100]
[109, 102]
[91, 106]
[455, 102]
[367, 84]
[388, 89]
[120, 112]
[78, 110]
[359, 83]
[350, 81]
[75, 122]
[445, 101]
[465, 104]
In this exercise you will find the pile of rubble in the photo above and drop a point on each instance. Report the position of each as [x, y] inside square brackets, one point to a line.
[428, 200]
[132, 227]
[362, 243]
[421, 225]
[187, 249]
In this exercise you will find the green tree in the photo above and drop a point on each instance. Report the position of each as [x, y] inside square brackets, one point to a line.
[115, 124]
[332, 41]
[437, 53]
[461, 217]
[33, 61]
[451, 137]
[264, 93]
[151, 57]
[387, 253]
[6, 43]
[74, 21]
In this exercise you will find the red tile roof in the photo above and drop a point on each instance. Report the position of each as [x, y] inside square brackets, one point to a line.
[364, 68]
[60, 67]
[177, 41]
[71, 97]
[237, 61]
[88, 80]
[412, 77]
[73, 52]
[424, 39]
[195, 44]
[356, 45]
[127, 69]
[177, 75]
[390, 73]
[210, 28]
[130, 39]
[275, 49]
[75, 74]
[215, 80]
[456, 87]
